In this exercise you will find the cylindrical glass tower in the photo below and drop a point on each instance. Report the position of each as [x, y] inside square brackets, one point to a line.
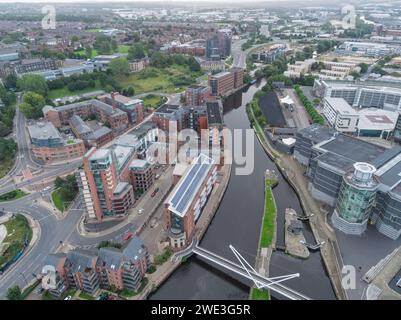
[355, 199]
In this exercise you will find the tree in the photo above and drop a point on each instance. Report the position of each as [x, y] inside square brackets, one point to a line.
[8, 147]
[136, 51]
[34, 83]
[159, 60]
[129, 92]
[14, 293]
[114, 45]
[10, 81]
[32, 105]
[193, 64]
[364, 67]
[88, 52]
[119, 66]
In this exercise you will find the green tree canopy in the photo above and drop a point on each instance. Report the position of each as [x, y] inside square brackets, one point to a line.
[119, 66]
[32, 105]
[136, 51]
[14, 293]
[34, 83]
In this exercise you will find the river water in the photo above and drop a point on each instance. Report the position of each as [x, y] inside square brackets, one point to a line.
[237, 222]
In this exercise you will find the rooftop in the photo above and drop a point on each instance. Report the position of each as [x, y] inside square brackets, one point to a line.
[185, 191]
[340, 105]
[138, 163]
[168, 108]
[43, 131]
[214, 115]
[317, 133]
[352, 148]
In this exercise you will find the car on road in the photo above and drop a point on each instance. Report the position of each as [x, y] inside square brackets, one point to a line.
[128, 236]
[140, 210]
[157, 176]
[154, 192]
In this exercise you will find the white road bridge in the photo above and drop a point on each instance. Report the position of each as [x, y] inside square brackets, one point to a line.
[246, 270]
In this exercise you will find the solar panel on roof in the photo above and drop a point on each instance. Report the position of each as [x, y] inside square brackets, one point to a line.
[190, 183]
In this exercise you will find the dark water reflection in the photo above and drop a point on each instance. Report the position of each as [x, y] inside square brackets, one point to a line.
[237, 222]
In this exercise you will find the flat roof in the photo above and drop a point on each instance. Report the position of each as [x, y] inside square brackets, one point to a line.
[122, 154]
[352, 148]
[138, 163]
[214, 113]
[44, 131]
[221, 74]
[185, 191]
[340, 105]
[99, 154]
[168, 108]
[316, 133]
[377, 119]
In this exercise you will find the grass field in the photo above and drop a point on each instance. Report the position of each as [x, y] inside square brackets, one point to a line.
[58, 201]
[122, 48]
[269, 218]
[86, 296]
[153, 101]
[12, 195]
[64, 92]
[258, 294]
[164, 80]
[18, 231]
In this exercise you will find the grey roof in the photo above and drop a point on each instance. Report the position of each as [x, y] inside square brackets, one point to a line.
[143, 129]
[107, 109]
[353, 148]
[214, 115]
[316, 133]
[43, 130]
[109, 258]
[80, 260]
[100, 132]
[168, 108]
[79, 125]
[134, 250]
[337, 161]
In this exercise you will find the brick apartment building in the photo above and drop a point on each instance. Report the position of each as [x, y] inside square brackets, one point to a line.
[48, 145]
[196, 95]
[108, 268]
[133, 107]
[112, 116]
[104, 182]
[224, 82]
[142, 175]
[168, 112]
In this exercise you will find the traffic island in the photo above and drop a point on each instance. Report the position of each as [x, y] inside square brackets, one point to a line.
[13, 195]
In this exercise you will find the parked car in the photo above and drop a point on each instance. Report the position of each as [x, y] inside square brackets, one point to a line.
[154, 192]
[128, 236]
[68, 298]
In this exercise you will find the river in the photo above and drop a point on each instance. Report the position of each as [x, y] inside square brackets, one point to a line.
[237, 222]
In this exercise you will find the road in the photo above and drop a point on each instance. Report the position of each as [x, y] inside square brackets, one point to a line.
[55, 233]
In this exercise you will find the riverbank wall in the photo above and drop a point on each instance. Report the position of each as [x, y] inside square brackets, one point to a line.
[292, 172]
